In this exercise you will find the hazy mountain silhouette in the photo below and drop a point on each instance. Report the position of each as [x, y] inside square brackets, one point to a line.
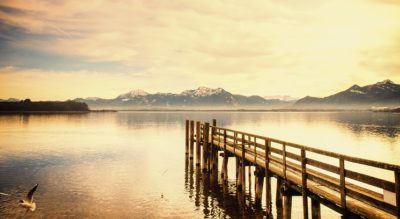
[196, 98]
[384, 93]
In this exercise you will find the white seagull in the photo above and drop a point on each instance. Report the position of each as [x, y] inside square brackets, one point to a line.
[29, 204]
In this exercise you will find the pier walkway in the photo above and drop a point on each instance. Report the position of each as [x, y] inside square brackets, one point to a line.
[324, 177]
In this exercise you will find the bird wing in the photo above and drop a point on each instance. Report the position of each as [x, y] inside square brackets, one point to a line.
[30, 193]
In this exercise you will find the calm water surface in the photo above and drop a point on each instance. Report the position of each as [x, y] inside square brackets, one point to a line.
[132, 164]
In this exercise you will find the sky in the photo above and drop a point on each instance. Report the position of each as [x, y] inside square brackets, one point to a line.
[58, 50]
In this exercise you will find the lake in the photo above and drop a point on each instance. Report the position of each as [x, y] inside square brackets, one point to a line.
[132, 164]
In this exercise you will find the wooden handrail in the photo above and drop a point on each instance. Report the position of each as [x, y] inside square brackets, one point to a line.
[308, 168]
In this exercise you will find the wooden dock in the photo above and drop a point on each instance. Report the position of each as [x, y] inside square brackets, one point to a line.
[323, 177]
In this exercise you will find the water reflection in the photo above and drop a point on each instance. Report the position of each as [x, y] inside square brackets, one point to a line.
[94, 159]
[215, 198]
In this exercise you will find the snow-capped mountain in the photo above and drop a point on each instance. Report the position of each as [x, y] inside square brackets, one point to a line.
[382, 93]
[282, 97]
[10, 100]
[200, 97]
[134, 94]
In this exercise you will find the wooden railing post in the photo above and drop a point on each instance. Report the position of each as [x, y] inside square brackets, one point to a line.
[191, 139]
[187, 137]
[198, 141]
[304, 182]
[234, 142]
[243, 170]
[397, 190]
[255, 150]
[315, 209]
[205, 146]
[284, 160]
[225, 161]
[268, 197]
[214, 148]
[342, 183]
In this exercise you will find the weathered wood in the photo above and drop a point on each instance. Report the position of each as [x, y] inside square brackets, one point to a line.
[397, 188]
[225, 160]
[249, 180]
[342, 183]
[268, 196]
[380, 183]
[191, 139]
[330, 190]
[237, 168]
[278, 197]
[259, 184]
[304, 182]
[287, 207]
[284, 160]
[243, 167]
[239, 180]
[315, 209]
[205, 146]
[187, 137]
[198, 142]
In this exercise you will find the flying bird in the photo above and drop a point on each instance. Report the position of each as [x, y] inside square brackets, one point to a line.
[29, 204]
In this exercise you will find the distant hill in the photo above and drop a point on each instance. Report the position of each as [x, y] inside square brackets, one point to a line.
[202, 97]
[385, 93]
[45, 106]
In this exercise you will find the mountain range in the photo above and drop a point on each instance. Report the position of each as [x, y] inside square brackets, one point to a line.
[384, 93]
[197, 98]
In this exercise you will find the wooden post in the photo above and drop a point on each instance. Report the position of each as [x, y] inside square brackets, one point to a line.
[214, 148]
[249, 180]
[237, 168]
[342, 183]
[287, 206]
[205, 146]
[198, 141]
[304, 183]
[187, 137]
[259, 186]
[255, 150]
[243, 169]
[284, 160]
[278, 198]
[268, 202]
[225, 161]
[315, 209]
[239, 182]
[191, 139]
[397, 190]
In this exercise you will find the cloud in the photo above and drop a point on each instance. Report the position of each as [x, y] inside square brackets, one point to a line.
[221, 43]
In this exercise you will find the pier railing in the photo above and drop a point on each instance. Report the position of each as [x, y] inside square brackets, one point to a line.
[313, 171]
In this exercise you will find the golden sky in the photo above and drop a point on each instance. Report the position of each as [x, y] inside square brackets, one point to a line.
[57, 50]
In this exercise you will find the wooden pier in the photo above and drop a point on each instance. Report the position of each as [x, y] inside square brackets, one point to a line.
[323, 177]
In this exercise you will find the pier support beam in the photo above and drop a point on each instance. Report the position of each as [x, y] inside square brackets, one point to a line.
[198, 141]
[397, 190]
[224, 169]
[191, 139]
[268, 196]
[278, 198]
[239, 182]
[287, 207]
[187, 138]
[315, 209]
[205, 147]
[214, 149]
[259, 178]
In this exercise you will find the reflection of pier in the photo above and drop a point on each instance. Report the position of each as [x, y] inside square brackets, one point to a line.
[321, 176]
[217, 199]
